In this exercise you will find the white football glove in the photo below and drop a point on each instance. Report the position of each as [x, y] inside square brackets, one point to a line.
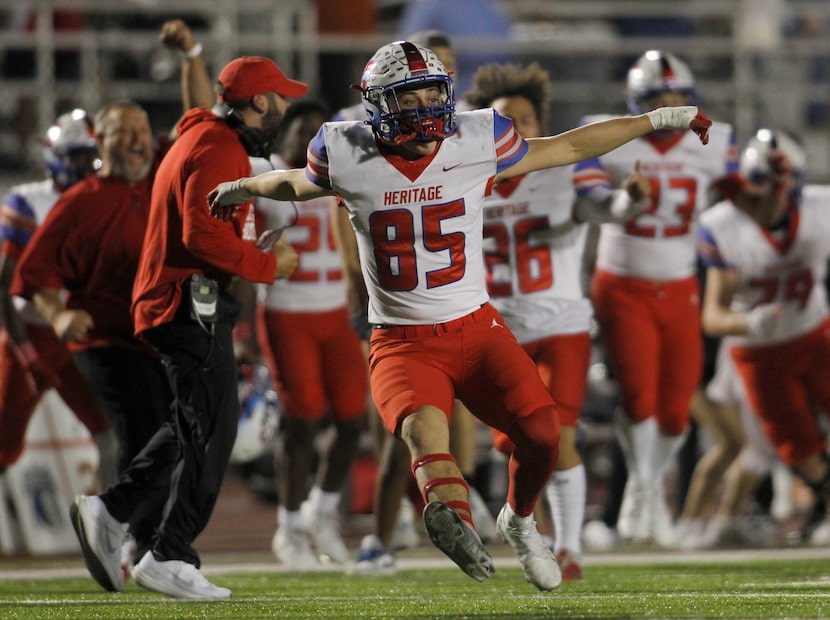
[761, 320]
[681, 117]
[231, 193]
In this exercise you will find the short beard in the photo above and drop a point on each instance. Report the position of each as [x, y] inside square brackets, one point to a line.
[118, 167]
[272, 119]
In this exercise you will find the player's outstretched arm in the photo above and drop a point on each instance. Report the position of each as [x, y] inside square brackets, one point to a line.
[282, 185]
[598, 138]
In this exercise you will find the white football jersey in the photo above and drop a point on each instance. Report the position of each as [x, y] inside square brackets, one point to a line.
[418, 223]
[533, 272]
[659, 244]
[317, 283]
[25, 207]
[786, 269]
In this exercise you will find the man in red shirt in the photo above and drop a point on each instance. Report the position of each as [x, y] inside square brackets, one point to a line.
[79, 269]
[183, 307]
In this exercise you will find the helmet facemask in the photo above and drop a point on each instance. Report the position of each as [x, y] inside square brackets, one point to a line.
[394, 70]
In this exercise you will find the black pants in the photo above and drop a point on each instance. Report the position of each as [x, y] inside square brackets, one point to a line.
[133, 391]
[183, 465]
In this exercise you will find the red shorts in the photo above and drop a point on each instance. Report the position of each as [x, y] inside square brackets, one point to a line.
[782, 381]
[18, 399]
[474, 358]
[563, 363]
[317, 361]
[653, 340]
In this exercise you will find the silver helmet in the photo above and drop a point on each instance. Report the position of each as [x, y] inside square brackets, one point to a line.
[657, 72]
[399, 67]
[69, 148]
[754, 161]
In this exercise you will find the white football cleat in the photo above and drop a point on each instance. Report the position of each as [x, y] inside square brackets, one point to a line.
[597, 536]
[293, 548]
[630, 520]
[538, 563]
[324, 531]
[459, 542]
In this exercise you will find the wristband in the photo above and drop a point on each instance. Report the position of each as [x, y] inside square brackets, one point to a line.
[195, 51]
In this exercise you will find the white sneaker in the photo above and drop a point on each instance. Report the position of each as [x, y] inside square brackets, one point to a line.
[539, 566]
[293, 548]
[101, 537]
[324, 531]
[175, 578]
[405, 535]
[657, 521]
[457, 540]
[820, 537]
[485, 523]
[373, 558]
[690, 533]
[597, 536]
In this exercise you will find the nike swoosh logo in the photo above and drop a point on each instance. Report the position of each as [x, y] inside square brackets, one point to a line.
[451, 166]
[109, 545]
[185, 582]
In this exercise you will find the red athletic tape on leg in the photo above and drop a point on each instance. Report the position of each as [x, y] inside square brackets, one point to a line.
[431, 458]
[437, 482]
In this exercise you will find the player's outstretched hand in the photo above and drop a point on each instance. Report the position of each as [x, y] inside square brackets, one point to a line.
[682, 117]
[225, 198]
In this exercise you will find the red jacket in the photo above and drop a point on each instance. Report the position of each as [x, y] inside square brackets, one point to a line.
[89, 244]
[182, 238]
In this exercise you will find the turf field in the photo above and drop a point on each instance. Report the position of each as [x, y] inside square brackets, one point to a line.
[790, 583]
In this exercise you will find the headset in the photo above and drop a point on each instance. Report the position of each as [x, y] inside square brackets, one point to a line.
[255, 141]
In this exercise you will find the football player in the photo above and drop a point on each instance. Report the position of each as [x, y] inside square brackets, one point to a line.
[534, 251]
[645, 286]
[413, 182]
[766, 251]
[32, 358]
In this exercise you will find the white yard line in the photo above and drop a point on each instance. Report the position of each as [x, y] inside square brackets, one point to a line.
[218, 563]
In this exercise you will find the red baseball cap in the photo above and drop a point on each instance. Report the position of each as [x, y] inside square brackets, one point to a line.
[253, 75]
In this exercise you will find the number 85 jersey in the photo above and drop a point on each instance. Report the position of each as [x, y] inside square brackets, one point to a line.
[418, 222]
[659, 244]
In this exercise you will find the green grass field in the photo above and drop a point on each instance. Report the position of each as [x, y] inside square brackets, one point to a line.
[754, 585]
